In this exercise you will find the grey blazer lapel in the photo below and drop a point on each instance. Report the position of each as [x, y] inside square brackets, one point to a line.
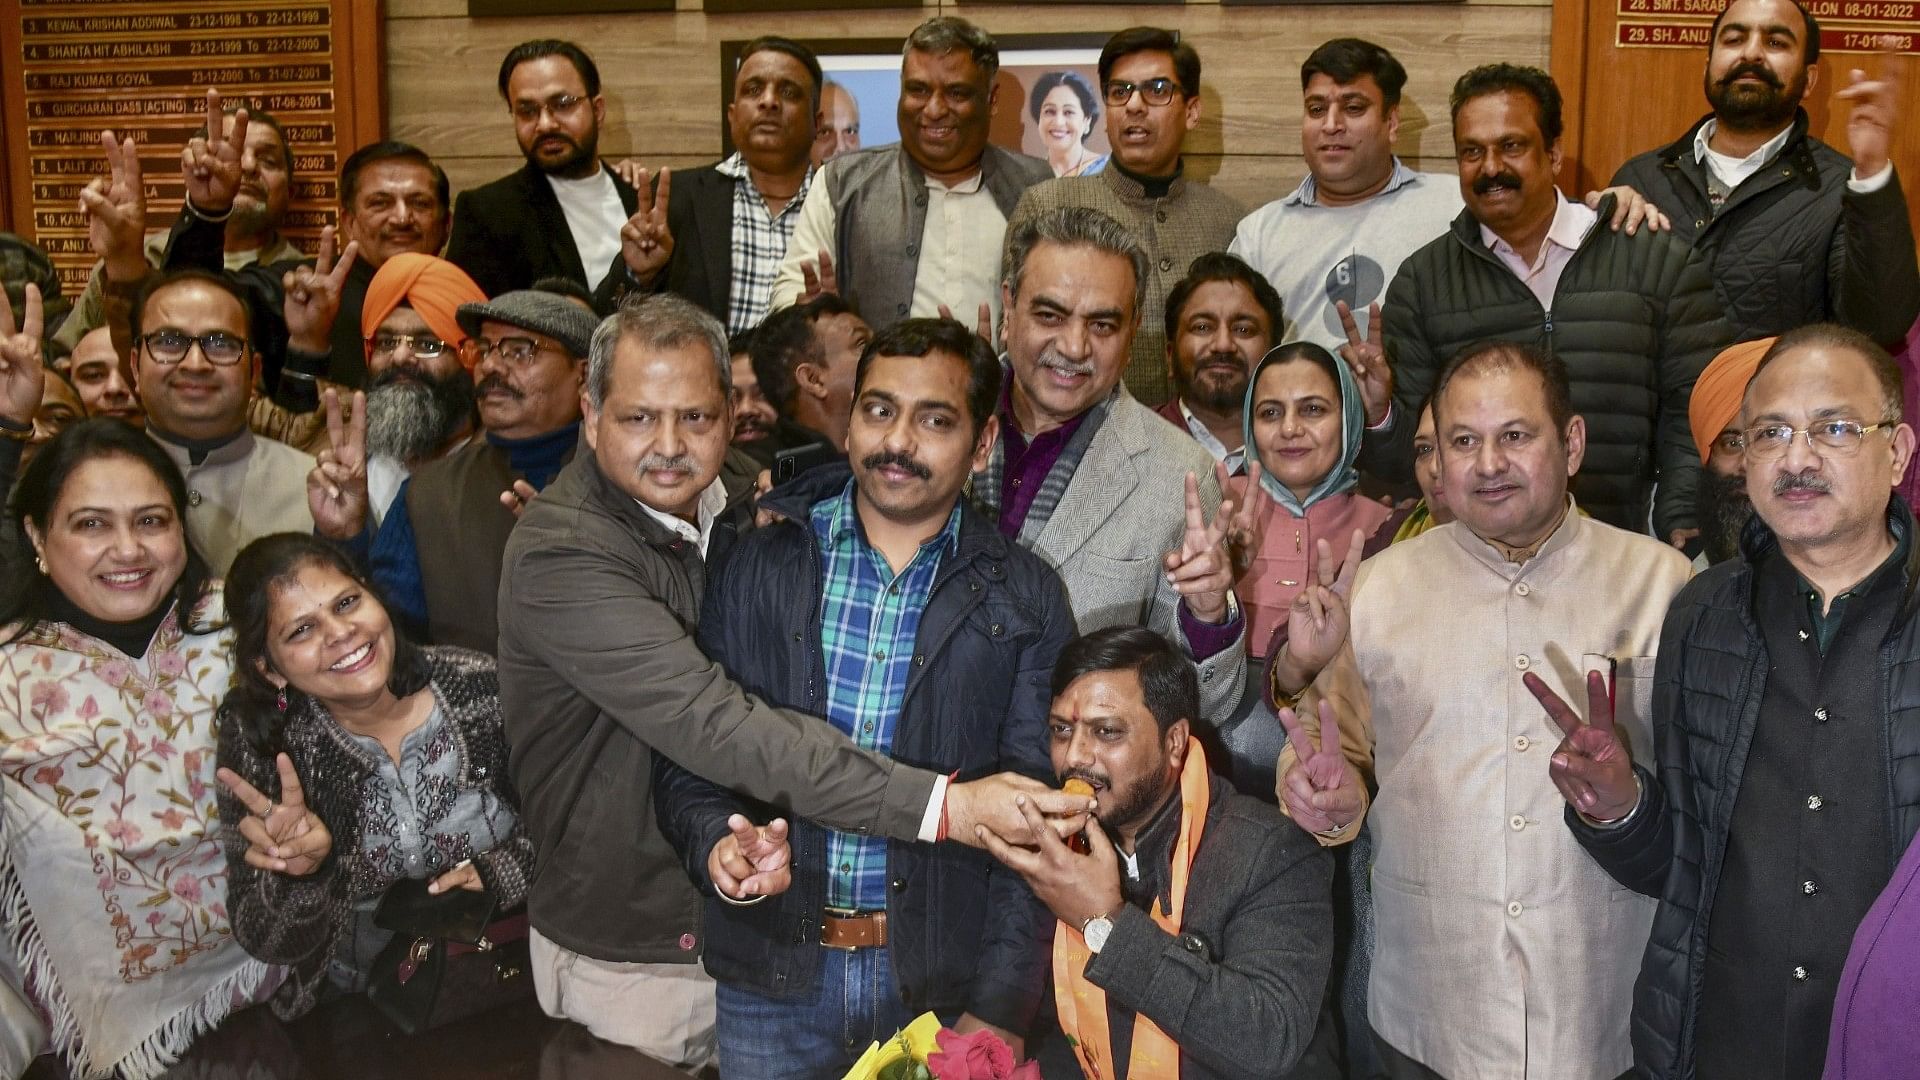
[1105, 478]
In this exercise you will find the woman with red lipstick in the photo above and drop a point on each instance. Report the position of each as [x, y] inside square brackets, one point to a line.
[1304, 419]
[1064, 110]
[352, 760]
[113, 661]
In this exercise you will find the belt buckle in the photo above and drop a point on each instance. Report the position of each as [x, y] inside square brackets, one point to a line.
[838, 913]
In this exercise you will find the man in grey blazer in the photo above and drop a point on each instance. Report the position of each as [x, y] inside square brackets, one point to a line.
[1090, 479]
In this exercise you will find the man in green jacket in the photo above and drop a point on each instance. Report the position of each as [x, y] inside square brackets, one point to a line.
[1632, 314]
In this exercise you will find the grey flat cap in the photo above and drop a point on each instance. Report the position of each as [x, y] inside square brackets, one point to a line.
[541, 312]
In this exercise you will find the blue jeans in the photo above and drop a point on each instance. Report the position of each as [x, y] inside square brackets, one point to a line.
[815, 1037]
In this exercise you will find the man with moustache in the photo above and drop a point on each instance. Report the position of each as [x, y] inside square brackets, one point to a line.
[1084, 475]
[563, 211]
[935, 635]
[754, 418]
[1794, 231]
[250, 234]
[420, 399]
[1193, 926]
[102, 379]
[1788, 779]
[601, 680]
[1524, 264]
[728, 225]
[1500, 948]
[1150, 80]
[1220, 320]
[1713, 412]
[436, 556]
[906, 230]
[839, 124]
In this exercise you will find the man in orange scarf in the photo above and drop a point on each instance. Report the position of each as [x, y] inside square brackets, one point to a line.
[1196, 931]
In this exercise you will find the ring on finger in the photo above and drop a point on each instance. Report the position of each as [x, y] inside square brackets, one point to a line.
[272, 809]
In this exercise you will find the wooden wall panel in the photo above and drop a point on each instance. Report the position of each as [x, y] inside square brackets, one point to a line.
[664, 99]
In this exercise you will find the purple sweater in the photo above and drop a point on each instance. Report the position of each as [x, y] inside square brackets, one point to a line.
[1875, 1034]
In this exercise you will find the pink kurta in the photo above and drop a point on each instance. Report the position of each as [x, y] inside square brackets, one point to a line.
[1279, 571]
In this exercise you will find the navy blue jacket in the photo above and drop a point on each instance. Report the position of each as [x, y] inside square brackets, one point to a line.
[965, 933]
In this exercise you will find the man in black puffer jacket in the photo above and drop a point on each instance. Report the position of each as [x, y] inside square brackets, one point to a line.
[1633, 315]
[1795, 232]
[886, 603]
[1787, 727]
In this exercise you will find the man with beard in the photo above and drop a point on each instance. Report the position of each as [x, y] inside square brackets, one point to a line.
[729, 224]
[420, 396]
[250, 234]
[103, 379]
[1225, 986]
[437, 554]
[756, 423]
[1220, 320]
[1524, 264]
[905, 230]
[1713, 412]
[563, 212]
[893, 564]
[1150, 80]
[1794, 231]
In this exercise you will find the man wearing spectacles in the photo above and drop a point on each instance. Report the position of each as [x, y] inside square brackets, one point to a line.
[437, 553]
[1151, 82]
[194, 366]
[1787, 780]
[910, 229]
[562, 213]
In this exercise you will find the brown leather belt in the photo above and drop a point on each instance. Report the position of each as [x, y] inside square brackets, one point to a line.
[849, 930]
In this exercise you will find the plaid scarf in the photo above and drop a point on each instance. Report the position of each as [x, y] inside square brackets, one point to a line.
[986, 482]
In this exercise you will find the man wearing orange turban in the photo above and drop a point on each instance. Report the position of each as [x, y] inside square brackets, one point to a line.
[1714, 414]
[419, 386]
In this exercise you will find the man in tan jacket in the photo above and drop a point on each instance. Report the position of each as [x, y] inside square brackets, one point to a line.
[1503, 951]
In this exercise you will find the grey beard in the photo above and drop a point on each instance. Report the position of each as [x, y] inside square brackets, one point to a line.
[411, 420]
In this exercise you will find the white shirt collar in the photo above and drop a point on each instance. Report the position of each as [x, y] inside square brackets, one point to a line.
[712, 501]
[1308, 194]
[1733, 171]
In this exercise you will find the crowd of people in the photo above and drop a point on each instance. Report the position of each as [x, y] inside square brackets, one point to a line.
[1428, 626]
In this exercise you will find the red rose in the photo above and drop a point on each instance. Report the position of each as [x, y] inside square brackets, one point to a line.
[977, 1056]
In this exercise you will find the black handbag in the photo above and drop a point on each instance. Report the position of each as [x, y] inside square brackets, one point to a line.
[450, 957]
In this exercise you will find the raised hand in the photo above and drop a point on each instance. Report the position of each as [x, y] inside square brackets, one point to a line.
[997, 803]
[1591, 766]
[646, 244]
[313, 295]
[982, 320]
[1870, 122]
[337, 486]
[116, 210]
[630, 170]
[23, 376]
[1245, 527]
[1630, 210]
[751, 861]
[1074, 887]
[1319, 619]
[816, 275]
[1200, 569]
[1366, 357]
[213, 164]
[1321, 791]
[284, 837]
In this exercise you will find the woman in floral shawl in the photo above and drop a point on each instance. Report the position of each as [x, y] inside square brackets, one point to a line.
[113, 660]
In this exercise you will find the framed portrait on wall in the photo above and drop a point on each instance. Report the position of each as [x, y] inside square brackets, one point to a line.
[1047, 95]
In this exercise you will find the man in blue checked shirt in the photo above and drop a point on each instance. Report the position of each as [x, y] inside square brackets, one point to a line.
[886, 603]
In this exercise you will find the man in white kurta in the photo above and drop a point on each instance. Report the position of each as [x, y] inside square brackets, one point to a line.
[1503, 951]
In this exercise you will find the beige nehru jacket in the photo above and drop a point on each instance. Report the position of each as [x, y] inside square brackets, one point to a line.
[1504, 952]
[250, 488]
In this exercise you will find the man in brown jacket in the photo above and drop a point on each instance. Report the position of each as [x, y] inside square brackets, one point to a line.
[599, 600]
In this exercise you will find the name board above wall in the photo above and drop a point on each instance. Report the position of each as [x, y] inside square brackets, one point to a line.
[1846, 26]
[142, 69]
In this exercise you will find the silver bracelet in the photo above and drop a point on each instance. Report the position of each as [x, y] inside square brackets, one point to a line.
[204, 216]
[1640, 798]
[722, 894]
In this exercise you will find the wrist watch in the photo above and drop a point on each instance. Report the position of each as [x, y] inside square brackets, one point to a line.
[1096, 930]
